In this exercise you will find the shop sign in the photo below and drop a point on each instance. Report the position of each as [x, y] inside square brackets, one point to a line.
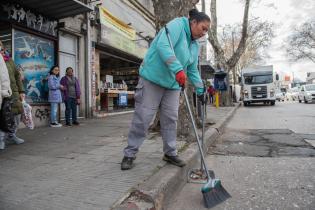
[18, 14]
[110, 21]
[34, 56]
[119, 35]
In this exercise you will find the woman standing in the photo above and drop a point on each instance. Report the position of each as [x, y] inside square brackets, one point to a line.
[163, 73]
[54, 95]
[71, 96]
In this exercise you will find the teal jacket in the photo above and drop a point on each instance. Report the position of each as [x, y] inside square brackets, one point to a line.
[160, 64]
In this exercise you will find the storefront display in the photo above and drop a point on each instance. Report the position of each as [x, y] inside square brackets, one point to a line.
[117, 84]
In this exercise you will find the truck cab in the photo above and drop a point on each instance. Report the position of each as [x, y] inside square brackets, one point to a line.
[259, 85]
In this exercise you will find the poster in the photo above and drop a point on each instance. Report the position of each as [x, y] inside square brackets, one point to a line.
[34, 56]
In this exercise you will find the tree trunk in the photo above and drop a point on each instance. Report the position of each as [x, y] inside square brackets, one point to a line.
[221, 61]
[166, 10]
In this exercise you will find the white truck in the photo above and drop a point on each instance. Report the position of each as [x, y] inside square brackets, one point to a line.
[259, 85]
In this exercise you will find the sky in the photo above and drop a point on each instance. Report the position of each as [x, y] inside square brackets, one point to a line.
[285, 14]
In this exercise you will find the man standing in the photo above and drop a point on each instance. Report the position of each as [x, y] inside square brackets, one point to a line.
[71, 96]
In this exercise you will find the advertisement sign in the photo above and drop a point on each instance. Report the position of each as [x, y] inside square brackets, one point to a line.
[34, 56]
[122, 99]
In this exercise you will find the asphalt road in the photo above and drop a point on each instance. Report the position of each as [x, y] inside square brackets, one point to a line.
[264, 158]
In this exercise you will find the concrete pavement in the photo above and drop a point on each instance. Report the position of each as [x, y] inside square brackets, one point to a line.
[264, 159]
[79, 167]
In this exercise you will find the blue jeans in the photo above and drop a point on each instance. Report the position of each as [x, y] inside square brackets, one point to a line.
[71, 109]
[53, 112]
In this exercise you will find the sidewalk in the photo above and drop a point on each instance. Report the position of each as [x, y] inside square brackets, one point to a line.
[79, 167]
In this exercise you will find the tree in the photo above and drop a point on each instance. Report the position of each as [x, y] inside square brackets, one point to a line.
[166, 10]
[301, 44]
[221, 60]
[260, 35]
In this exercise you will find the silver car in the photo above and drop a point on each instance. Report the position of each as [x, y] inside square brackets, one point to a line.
[307, 93]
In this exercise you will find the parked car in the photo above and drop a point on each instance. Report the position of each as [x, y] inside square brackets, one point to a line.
[292, 94]
[307, 93]
[279, 96]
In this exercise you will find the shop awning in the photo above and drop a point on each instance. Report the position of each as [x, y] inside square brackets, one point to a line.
[56, 9]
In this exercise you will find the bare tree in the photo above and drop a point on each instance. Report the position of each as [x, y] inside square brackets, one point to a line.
[166, 10]
[260, 35]
[301, 44]
[221, 60]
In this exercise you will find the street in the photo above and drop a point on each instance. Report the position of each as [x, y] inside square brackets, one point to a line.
[263, 159]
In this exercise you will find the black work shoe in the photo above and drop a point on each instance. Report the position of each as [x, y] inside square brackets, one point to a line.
[127, 163]
[175, 160]
[76, 123]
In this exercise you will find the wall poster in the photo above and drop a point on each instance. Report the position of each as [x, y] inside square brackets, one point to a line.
[34, 56]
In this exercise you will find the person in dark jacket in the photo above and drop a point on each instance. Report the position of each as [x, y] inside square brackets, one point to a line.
[71, 96]
[5, 89]
[18, 95]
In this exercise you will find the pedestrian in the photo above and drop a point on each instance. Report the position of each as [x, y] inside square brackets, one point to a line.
[54, 95]
[162, 74]
[16, 98]
[71, 96]
[5, 89]
[211, 93]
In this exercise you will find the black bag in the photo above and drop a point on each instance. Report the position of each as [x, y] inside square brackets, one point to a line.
[7, 121]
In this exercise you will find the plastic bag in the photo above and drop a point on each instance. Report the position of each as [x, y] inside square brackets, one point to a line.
[26, 116]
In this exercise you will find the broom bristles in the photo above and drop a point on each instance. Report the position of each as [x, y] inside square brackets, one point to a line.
[214, 193]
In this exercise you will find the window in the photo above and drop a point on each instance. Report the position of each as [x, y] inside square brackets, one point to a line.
[258, 79]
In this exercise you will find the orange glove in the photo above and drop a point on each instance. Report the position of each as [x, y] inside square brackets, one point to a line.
[181, 78]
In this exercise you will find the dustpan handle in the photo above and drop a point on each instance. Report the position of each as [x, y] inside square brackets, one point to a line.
[197, 136]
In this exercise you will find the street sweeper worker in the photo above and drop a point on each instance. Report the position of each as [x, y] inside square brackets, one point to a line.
[162, 74]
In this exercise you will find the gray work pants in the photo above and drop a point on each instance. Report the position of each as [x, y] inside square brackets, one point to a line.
[149, 97]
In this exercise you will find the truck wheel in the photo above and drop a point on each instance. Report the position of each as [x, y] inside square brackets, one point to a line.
[272, 103]
[245, 103]
[300, 101]
[305, 101]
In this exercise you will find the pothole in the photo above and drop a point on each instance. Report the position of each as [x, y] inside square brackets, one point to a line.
[263, 143]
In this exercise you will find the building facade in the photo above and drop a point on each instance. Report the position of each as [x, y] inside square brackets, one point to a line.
[120, 35]
[38, 35]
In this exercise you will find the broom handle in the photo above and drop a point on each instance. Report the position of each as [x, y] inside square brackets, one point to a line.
[197, 136]
[203, 113]
[190, 113]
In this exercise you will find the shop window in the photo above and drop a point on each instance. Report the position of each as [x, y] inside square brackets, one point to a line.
[118, 80]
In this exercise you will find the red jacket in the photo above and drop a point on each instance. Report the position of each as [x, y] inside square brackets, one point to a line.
[211, 90]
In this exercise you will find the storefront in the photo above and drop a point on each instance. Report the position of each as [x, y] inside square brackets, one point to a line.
[118, 55]
[31, 38]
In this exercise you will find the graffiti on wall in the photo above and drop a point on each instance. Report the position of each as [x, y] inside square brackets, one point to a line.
[42, 114]
[25, 16]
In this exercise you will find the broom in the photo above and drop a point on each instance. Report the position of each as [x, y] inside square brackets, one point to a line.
[213, 192]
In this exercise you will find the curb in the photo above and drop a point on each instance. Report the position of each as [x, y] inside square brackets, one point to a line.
[158, 190]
